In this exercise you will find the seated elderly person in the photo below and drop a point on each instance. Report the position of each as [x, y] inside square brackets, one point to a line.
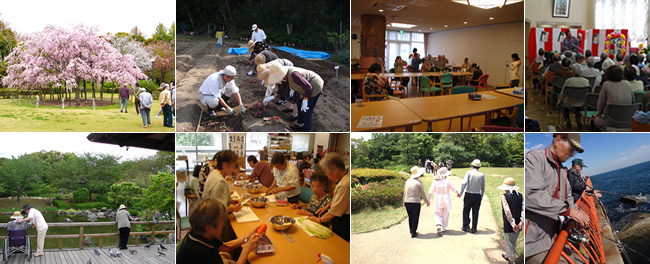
[619, 59]
[553, 67]
[599, 64]
[614, 91]
[375, 85]
[14, 225]
[581, 60]
[576, 81]
[202, 244]
[591, 72]
[630, 76]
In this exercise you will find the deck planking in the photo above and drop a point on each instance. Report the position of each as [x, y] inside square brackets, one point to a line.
[81, 256]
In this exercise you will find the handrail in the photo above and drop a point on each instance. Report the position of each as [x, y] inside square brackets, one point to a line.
[81, 235]
[594, 244]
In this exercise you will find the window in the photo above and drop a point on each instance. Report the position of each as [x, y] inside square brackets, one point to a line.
[300, 142]
[198, 145]
[630, 14]
[254, 143]
[402, 45]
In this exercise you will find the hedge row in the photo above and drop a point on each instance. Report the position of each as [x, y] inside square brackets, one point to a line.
[377, 195]
[61, 204]
[91, 205]
[364, 176]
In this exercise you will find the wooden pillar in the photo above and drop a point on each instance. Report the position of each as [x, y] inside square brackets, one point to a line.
[373, 34]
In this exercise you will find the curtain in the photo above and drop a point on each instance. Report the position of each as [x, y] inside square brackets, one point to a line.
[623, 14]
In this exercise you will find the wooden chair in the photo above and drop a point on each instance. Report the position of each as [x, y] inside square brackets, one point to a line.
[445, 81]
[366, 96]
[482, 82]
[514, 118]
[535, 70]
[545, 86]
[498, 129]
[427, 87]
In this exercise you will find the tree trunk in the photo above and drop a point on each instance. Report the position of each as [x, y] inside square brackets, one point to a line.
[190, 15]
[76, 94]
[101, 93]
[225, 20]
[51, 92]
[85, 92]
[19, 193]
[92, 84]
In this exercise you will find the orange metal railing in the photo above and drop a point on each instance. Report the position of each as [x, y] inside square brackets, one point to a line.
[593, 245]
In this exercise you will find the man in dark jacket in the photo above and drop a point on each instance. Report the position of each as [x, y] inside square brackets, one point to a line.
[578, 184]
[124, 98]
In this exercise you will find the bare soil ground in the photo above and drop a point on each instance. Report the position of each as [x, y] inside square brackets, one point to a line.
[195, 61]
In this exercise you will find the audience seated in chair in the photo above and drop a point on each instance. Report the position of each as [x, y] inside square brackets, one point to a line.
[614, 91]
[630, 76]
[576, 81]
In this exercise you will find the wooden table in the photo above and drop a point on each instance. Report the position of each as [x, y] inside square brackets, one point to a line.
[509, 91]
[437, 108]
[395, 114]
[411, 75]
[305, 249]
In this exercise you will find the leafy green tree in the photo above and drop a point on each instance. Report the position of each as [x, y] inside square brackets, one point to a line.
[49, 192]
[21, 174]
[160, 194]
[94, 171]
[124, 193]
[195, 139]
[80, 195]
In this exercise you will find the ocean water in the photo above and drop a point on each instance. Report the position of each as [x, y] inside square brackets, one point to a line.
[633, 181]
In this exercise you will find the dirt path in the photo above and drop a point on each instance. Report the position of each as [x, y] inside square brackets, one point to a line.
[195, 61]
[395, 245]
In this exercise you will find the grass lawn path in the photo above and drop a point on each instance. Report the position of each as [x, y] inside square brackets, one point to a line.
[395, 245]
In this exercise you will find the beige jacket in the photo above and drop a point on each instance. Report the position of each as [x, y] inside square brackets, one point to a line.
[414, 191]
[543, 206]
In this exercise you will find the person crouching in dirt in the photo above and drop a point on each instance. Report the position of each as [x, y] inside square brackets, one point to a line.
[304, 82]
[261, 58]
[287, 96]
[217, 89]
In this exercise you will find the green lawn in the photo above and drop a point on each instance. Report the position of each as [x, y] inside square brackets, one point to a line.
[28, 118]
[371, 220]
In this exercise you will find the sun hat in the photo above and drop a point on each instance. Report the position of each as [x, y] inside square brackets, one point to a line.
[229, 70]
[442, 173]
[263, 75]
[476, 163]
[579, 162]
[574, 138]
[143, 90]
[16, 215]
[276, 73]
[416, 172]
[122, 206]
[259, 59]
[251, 45]
[261, 68]
[508, 185]
[254, 27]
[25, 208]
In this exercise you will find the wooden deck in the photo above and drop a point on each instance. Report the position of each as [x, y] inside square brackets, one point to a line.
[81, 256]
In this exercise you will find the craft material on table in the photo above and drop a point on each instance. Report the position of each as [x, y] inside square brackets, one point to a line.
[370, 121]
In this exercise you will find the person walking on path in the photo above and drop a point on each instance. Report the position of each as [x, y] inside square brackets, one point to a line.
[474, 184]
[512, 210]
[124, 98]
[37, 221]
[413, 192]
[146, 100]
[136, 98]
[166, 104]
[123, 218]
[439, 188]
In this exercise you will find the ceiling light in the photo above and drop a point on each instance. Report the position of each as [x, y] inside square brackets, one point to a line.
[491, 18]
[381, 10]
[401, 25]
[487, 4]
[431, 28]
[446, 25]
[465, 22]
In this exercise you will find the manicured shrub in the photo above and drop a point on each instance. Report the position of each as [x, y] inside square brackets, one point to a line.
[373, 175]
[133, 212]
[87, 206]
[80, 195]
[101, 198]
[32, 193]
[377, 195]
[61, 204]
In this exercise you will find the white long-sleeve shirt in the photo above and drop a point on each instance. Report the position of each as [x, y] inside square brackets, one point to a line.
[215, 85]
[258, 35]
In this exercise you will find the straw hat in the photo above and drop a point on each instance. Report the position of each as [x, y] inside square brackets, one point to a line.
[122, 206]
[276, 73]
[261, 68]
[508, 185]
[416, 172]
[476, 163]
[16, 215]
[442, 173]
[259, 59]
[251, 45]
[263, 75]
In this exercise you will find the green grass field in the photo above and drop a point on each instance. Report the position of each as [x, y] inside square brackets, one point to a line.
[28, 118]
[372, 220]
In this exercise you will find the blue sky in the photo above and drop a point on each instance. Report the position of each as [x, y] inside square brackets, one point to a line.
[603, 151]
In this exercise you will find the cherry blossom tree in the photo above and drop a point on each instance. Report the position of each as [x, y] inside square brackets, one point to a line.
[66, 58]
[126, 45]
[164, 52]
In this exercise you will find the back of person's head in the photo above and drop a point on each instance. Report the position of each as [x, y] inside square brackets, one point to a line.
[278, 158]
[415, 50]
[224, 156]
[619, 57]
[629, 73]
[549, 56]
[515, 56]
[333, 160]
[316, 160]
[398, 58]
[626, 60]
[568, 54]
[634, 59]
[588, 53]
[557, 57]
[603, 56]
[374, 68]
[590, 62]
[206, 213]
[474, 65]
[540, 52]
[576, 69]
[566, 62]
[252, 159]
[380, 61]
[614, 74]
[579, 58]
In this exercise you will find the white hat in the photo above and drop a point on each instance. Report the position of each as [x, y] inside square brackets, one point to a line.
[508, 185]
[442, 173]
[276, 73]
[416, 172]
[254, 27]
[476, 163]
[143, 90]
[229, 70]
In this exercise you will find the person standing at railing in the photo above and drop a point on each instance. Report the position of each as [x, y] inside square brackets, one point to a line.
[548, 196]
[123, 218]
[37, 221]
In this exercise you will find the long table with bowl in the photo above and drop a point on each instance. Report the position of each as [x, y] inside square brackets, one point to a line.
[395, 115]
[438, 108]
[510, 92]
[305, 249]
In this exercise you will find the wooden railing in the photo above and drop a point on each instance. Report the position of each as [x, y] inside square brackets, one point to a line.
[81, 234]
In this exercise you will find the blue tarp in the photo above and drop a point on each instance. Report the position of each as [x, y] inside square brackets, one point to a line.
[305, 54]
[238, 51]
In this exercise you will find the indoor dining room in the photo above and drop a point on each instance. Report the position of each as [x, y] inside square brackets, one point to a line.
[444, 66]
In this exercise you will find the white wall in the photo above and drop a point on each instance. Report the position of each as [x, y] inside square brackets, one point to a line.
[488, 46]
[343, 145]
[581, 11]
